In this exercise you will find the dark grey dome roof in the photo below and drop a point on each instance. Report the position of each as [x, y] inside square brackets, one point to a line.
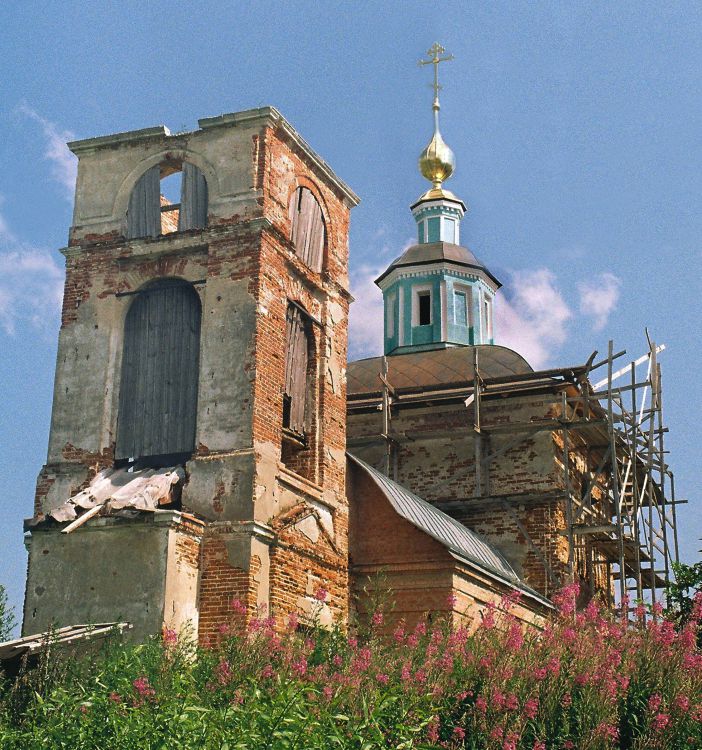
[436, 252]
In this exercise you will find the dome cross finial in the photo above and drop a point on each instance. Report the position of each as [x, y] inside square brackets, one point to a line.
[434, 53]
[436, 162]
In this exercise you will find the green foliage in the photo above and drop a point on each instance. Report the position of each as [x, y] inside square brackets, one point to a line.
[588, 681]
[7, 616]
[681, 594]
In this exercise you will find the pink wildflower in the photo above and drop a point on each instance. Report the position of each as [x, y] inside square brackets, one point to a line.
[566, 700]
[607, 731]
[328, 692]
[531, 708]
[511, 702]
[497, 733]
[654, 702]
[238, 606]
[539, 745]
[412, 640]
[459, 733]
[433, 729]
[224, 672]
[83, 709]
[300, 667]
[682, 703]
[399, 634]
[143, 688]
[660, 721]
[540, 673]
[115, 697]
[481, 704]
[223, 628]
[451, 600]
[377, 618]
[267, 671]
[293, 621]
[170, 637]
[337, 660]
[383, 679]
[321, 594]
[515, 637]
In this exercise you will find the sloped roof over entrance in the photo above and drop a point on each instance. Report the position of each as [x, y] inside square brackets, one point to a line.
[446, 530]
[438, 368]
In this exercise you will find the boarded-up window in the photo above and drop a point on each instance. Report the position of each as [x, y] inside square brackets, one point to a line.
[296, 360]
[150, 213]
[193, 199]
[307, 228]
[144, 212]
[160, 363]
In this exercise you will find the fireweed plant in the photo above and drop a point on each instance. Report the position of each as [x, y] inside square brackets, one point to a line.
[590, 679]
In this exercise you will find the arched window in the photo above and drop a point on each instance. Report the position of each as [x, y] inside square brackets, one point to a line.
[295, 395]
[308, 230]
[154, 209]
[160, 364]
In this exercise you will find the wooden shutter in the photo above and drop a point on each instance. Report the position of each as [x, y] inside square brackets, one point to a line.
[160, 365]
[307, 228]
[144, 212]
[296, 358]
[193, 199]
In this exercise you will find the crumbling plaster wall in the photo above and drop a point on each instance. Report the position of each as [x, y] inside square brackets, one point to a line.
[142, 571]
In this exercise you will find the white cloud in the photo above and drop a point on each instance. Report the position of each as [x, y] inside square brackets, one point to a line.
[31, 284]
[366, 313]
[64, 163]
[599, 297]
[531, 315]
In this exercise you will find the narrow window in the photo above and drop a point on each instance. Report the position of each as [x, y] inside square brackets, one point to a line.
[424, 304]
[390, 316]
[460, 309]
[422, 235]
[450, 231]
[307, 228]
[488, 317]
[296, 360]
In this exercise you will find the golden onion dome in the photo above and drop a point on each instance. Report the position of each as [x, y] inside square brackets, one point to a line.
[437, 162]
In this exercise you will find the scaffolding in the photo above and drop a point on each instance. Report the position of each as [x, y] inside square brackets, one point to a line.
[620, 521]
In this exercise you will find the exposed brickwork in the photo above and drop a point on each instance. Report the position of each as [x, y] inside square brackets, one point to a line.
[436, 459]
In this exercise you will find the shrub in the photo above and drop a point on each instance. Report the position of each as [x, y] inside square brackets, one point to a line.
[589, 680]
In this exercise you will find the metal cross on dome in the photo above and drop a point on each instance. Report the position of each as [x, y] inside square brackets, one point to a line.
[435, 53]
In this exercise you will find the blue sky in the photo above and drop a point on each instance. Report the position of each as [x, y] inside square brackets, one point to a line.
[577, 129]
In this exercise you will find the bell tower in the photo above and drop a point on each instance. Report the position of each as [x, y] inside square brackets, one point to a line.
[196, 452]
[437, 294]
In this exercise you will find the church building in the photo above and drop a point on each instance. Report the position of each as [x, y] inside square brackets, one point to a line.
[210, 442]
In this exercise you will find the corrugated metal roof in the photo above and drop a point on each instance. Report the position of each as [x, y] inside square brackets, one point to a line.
[446, 530]
[439, 367]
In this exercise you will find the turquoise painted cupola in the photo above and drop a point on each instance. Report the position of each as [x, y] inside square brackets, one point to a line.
[437, 294]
